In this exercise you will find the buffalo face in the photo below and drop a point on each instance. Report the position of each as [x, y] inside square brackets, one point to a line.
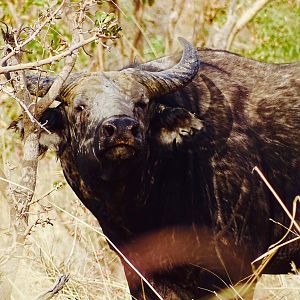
[106, 115]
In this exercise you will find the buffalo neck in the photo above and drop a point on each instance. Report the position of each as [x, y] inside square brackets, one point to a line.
[116, 203]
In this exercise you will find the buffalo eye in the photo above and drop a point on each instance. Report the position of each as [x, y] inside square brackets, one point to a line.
[79, 108]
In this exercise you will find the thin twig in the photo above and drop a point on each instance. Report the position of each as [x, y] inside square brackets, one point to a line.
[58, 285]
[25, 108]
[16, 184]
[267, 256]
[247, 16]
[17, 49]
[56, 188]
[54, 58]
[259, 172]
[275, 249]
[113, 246]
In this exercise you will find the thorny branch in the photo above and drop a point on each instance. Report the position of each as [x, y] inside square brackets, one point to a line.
[32, 108]
[25, 108]
[21, 194]
[29, 166]
[19, 47]
[54, 58]
[37, 222]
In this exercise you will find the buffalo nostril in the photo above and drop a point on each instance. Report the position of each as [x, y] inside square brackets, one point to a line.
[108, 130]
[135, 130]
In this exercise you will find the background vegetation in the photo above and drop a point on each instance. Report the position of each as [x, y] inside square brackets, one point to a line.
[59, 241]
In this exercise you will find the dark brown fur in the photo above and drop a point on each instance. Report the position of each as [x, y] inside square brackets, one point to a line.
[192, 182]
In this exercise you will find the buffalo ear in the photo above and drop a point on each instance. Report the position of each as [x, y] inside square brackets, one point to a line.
[53, 120]
[175, 127]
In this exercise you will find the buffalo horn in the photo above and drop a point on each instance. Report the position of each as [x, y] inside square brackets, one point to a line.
[38, 85]
[157, 83]
[168, 81]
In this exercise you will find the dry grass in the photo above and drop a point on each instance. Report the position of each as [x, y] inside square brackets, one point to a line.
[59, 245]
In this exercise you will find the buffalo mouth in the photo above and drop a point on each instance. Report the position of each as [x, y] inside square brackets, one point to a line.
[119, 152]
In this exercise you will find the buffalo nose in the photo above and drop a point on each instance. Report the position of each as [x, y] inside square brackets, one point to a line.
[120, 127]
[109, 130]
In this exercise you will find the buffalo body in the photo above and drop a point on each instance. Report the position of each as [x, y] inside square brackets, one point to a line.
[166, 165]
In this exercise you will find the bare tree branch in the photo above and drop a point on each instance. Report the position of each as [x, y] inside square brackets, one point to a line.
[26, 109]
[33, 112]
[22, 194]
[199, 22]
[51, 59]
[223, 38]
[219, 39]
[137, 40]
[247, 16]
[18, 47]
[175, 14]
[30, 147]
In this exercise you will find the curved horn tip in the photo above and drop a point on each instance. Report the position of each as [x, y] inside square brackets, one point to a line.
[183, 41]
[186, 44]
[170, 80]
[189, 47]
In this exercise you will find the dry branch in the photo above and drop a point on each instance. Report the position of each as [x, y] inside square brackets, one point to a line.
[247, 16]
[19, 47]
[58, 285]
[56, 87]
[223, 38]
[175, 14]
[199, 22]
[51, 59]
[25, 108]
[21, 194]
[137, 40]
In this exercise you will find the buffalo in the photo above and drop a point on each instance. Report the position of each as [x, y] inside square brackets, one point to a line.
[162, 154]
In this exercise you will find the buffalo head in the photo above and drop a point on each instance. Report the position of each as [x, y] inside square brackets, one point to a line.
[105, 116]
